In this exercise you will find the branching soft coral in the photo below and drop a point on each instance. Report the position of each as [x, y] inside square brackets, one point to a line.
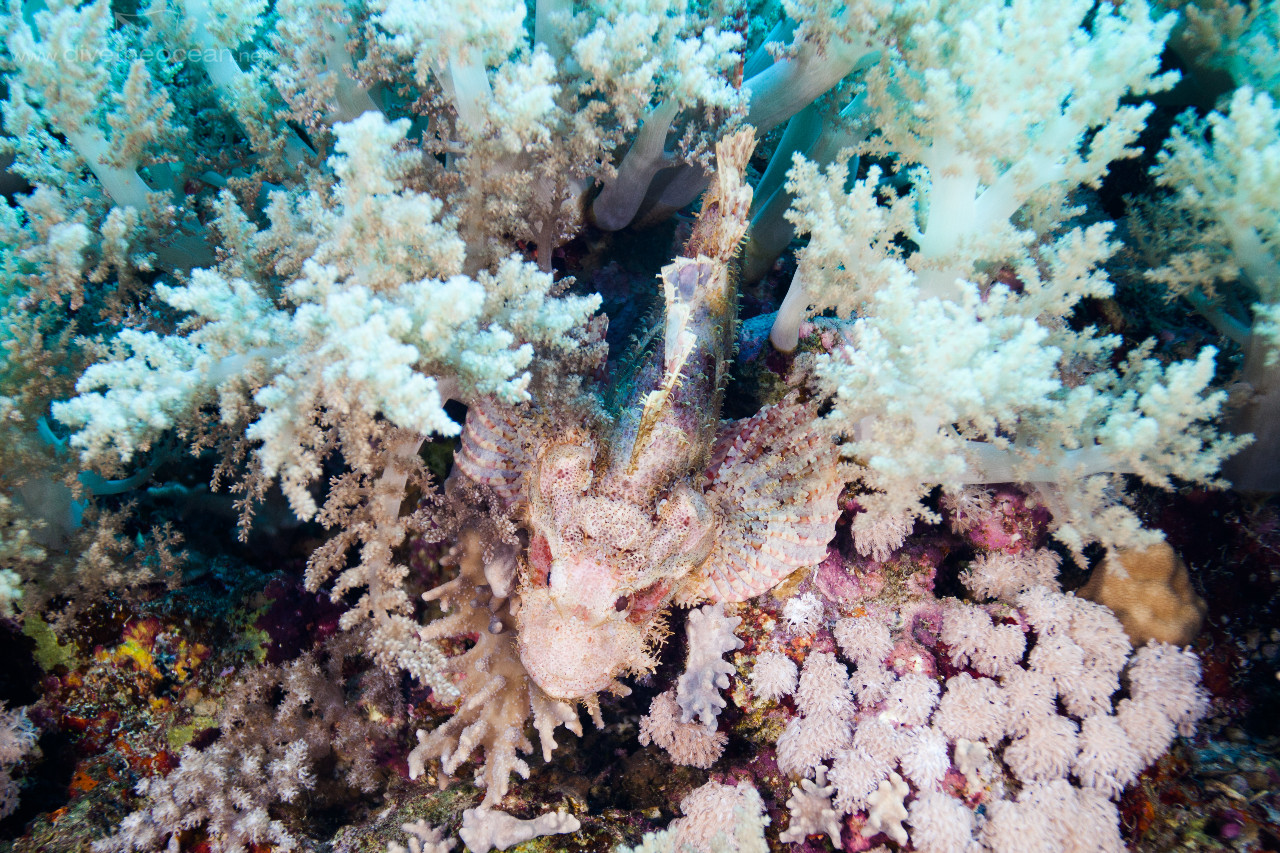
[533, 122]
[65, 116]
[962, 345]
[990, 107]
[281, 730]
[379, 321]
[498, 696]
[1224, 255]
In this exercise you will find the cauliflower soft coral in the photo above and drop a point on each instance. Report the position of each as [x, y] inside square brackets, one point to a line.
[379, 321]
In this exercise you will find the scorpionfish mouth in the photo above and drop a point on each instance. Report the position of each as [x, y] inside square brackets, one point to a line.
[569, 655]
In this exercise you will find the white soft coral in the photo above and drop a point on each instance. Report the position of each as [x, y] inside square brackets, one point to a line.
[999, 113]
[380, 321]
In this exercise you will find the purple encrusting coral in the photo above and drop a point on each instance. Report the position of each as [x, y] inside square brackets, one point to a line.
[827, 399]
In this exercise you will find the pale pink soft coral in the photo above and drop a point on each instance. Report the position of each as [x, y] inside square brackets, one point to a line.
[880, 739]
[911, 699]
[940, 823]
[1014, 719]
[1100, 634]
[855, 775]
[973, 639]
[1053, 817]
[1044, 609]
[806, 742]
[1004, 576]
[1149, 729]
[865, 640]
[773, 676]
[824, 687]
[968, 506]
[827, 709]
[1107, 760]
[1044, 751]
[1059, 657]
[1165, 677]
[879, 536]
[709, 817]
[802, 614]
[925, 761]
[1080, 645]
[871, 684]
[1029, 695]
[688, 743]
[1013, 827]
[972, 708]
[1083, 690]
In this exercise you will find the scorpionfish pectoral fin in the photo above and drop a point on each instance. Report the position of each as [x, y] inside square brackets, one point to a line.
[774, 480]
[495, 448]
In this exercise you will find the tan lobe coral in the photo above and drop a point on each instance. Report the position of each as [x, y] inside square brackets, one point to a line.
[1150, 592]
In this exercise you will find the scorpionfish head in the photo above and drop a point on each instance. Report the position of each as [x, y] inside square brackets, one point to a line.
[601, 571]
